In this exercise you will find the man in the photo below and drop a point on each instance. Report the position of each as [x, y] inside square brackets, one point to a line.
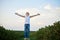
[27, 24]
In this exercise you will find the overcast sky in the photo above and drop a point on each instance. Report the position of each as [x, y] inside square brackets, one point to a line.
[49, 10]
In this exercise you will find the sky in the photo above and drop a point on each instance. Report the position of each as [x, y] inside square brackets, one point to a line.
[49, 11]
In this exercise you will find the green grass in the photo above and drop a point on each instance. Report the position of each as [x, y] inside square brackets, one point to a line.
[21, 35]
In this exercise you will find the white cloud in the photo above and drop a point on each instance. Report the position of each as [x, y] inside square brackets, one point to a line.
[57, 7]
[48, 6]
[51, 9]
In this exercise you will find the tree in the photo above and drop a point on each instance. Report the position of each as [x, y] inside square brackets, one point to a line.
[51, 32]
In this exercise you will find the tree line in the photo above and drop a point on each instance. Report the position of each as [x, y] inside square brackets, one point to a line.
[10, 34]
[50, 32]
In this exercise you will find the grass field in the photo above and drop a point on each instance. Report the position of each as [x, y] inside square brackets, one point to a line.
[21, 34]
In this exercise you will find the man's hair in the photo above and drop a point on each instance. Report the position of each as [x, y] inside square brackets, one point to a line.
[27, 13]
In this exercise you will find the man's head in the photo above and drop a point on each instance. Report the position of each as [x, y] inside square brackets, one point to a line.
[27, 13]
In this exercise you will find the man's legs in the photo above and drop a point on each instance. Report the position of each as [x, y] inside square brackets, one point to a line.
[26, 31]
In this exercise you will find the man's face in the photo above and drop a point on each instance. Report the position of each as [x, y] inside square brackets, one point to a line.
[27, 13]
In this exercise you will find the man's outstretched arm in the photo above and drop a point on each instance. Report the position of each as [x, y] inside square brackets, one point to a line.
[34, 15]
[20, 15]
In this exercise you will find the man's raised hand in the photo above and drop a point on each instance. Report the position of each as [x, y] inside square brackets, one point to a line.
[38, 14]
[16, 13]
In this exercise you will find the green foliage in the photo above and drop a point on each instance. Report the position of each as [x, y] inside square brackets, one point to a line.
[51, 32]
[10, 35]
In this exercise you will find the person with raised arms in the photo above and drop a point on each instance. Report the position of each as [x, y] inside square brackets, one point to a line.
[27, 24]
